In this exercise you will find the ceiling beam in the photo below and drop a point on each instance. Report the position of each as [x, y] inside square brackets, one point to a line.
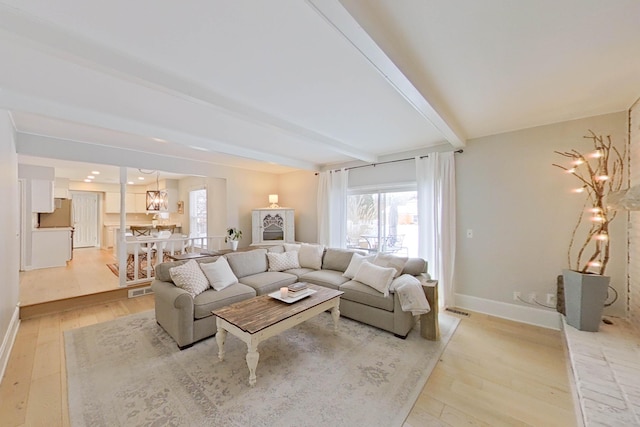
[11, 100]
[339, 18]
[92, 55]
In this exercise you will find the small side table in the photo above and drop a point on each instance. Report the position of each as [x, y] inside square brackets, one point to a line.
[429, 327]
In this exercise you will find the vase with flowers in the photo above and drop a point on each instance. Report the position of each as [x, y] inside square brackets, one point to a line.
[600, 174]
[232, 237]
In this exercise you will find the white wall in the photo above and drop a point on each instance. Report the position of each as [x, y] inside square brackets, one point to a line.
[634, 217]
[522, 212]
[9, 232]
[299, 190]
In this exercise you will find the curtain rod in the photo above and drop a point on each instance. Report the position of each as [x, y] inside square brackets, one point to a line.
[384, 163]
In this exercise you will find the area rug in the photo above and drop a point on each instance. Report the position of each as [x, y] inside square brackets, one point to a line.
[129, 372]
[142, 273]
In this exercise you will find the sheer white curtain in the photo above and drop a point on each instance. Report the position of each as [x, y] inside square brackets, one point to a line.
[437, 218]
[332, 208]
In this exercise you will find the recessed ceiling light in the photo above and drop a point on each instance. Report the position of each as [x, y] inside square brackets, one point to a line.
[87, 180]
[90, 176]
[141, 178]
[157, 139]
[95, 172]
[130, 182]
[198, 148]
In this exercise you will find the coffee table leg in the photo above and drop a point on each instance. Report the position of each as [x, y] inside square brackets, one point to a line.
[221, 335]
[252, 361]
[335, 314]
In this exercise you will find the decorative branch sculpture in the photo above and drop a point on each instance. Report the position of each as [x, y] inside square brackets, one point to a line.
[600, 173]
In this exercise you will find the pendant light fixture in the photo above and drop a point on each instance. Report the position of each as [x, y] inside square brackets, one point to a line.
[158, 200]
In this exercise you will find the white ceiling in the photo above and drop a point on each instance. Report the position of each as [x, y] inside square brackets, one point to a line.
[284, 84]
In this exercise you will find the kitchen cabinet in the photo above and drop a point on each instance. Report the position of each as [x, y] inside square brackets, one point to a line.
[136, 202]
[112, 202]
[51, 247]
[42, 195]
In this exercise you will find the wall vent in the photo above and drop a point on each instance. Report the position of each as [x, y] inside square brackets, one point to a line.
[138, 292]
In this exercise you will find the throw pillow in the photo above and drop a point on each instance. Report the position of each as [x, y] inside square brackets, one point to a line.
[283, 261]
[387, 260]
[189, 277]
[379, 278]
[403, 280]
[219, 273]
[290, 247]
[310, 256]
[354, 265]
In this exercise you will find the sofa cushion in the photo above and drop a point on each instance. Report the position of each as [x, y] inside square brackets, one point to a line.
[276, 249]
[209, 300]
[337, 259]
[363, 294]
[415, 266]
[379, 278]
[310, 256]
[299, 271]
[354, 265]
[327, 278]
[248, 263]
[162, 270]
[189, 277]
[393, 261]
[268, 281]
[219, 274]
[283, 261]
[290, 247]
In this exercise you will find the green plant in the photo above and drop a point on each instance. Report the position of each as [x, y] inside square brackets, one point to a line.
[233, 234]
[601, 173]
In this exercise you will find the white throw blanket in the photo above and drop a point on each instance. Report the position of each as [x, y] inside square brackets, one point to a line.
[411, 295]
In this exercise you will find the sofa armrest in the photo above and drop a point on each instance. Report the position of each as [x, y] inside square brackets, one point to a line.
[177, 297]
[174, 311]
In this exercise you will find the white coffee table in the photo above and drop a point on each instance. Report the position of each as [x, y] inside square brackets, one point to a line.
[256, 319]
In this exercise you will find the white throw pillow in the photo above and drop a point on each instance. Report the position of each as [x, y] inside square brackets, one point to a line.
[354, 265]
[402, 280]
[189, 277]
[291, 247]
[283, 261]
[219, 273]
[310, 256]
[379, 278]
[393, 261]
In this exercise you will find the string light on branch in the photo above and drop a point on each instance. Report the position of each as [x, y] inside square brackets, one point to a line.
[600, 171]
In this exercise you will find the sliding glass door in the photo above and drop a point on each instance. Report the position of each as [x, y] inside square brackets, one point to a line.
[383, 221]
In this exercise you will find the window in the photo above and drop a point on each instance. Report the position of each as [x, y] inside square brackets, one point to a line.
[383, 221]
[198, 213]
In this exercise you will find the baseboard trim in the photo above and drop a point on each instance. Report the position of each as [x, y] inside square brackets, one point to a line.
[8, 340]
[545, 318]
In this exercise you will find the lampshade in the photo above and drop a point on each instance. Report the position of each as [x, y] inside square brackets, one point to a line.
[273, 199]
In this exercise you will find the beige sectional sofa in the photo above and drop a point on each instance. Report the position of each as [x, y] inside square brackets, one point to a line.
[188, 319]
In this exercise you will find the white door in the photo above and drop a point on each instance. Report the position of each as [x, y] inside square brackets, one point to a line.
[85, 218]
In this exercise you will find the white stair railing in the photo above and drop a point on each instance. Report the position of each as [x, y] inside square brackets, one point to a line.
[144, 254]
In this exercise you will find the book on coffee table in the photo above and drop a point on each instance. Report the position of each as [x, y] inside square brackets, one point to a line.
[297, 287]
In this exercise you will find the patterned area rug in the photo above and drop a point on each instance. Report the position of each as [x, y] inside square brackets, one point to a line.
[142, 274]
[129, 372]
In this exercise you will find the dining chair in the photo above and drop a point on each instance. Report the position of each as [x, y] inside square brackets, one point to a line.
[132, 249]
[169, 228]
[140, 230]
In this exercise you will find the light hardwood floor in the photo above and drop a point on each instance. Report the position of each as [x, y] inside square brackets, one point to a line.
[494, 372]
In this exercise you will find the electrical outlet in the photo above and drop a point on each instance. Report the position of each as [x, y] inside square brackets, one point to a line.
[532, 297]
[551, 299]
[516, 296]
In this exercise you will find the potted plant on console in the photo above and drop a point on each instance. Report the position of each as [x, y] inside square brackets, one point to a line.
[600, 174]
[232, 237]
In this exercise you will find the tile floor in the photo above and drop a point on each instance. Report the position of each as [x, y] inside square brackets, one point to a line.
[606, 369]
